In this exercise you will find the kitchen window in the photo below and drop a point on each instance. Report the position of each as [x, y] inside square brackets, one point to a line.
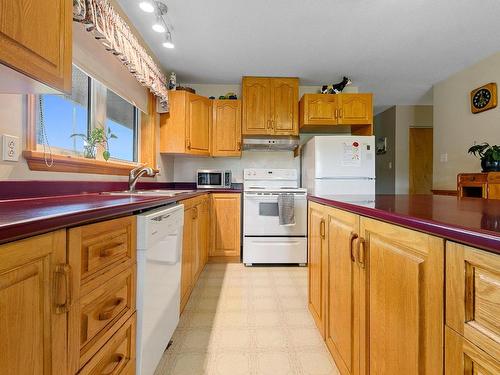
[90, 105]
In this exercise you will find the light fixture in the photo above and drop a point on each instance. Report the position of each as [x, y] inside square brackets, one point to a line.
[147, 6]
[168, 42]
[159, 26]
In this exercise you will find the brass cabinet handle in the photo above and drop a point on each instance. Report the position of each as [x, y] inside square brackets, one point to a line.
[239, 145]
[362, 252]
[188, 144]
[352, 237]
[108, 250]
[195, 213]
[336, 114]
[322, 228]
[269, 124]
[340, 113]
[107, 313]
[117, 358]
[63, 270]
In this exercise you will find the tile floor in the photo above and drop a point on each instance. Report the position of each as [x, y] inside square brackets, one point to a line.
[252, 321]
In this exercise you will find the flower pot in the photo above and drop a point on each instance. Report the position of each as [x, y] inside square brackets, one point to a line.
[489, 165]
[89, 151]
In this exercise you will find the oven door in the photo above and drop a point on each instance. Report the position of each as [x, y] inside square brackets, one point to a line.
[261, 215]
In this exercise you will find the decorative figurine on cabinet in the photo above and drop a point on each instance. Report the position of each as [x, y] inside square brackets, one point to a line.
[337, 87]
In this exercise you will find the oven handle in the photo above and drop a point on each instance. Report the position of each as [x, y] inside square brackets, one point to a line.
[281, 242]
[264, 195]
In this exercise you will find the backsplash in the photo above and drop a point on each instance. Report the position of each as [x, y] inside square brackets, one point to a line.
[185, 167]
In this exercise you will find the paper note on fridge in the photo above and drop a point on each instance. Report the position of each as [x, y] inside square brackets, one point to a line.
[351, 155]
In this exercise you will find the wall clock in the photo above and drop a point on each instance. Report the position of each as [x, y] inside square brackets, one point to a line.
[483, 98]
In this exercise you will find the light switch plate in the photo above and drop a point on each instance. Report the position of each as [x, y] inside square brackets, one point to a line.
[443, 158]
[10, 147]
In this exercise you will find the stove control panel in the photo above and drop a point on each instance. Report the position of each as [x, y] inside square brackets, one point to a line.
[270, 174]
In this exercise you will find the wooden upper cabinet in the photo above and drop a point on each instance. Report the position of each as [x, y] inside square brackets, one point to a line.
[270, 106]
[343, 281]
[318, 109]
[34, 304]
[322, 112]
[473, 295]
[227, 128]
[187, 128]
[226, 225]
[256, 94]
[36, 38]
[199, 120]
[401, 300]
[317, 265]
[284, 106]
[355, 109]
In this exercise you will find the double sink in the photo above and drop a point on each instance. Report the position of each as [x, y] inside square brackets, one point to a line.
[157, 192]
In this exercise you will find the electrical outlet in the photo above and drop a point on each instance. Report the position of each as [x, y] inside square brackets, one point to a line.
[10, 148]
[443, 158]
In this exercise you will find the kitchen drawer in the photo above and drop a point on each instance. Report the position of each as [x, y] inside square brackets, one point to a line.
[473, 295]
[117, 356]
[472, 178]
[464, 358]
[494, 178]
[96, 249]
[100, 313]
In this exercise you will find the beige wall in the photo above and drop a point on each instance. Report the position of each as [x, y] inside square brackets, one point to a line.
[456, 128]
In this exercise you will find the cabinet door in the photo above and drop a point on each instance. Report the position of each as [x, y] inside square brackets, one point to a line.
[226, 211]
[256, 101]
[355, 109]
[318, 109]
[227, 128]
[464, 358]
[401, 300]
[317, 259]
[198, 245]
[34, 300]
[36, 39]
[343, 282]
[186, 267]
[473, 295]
[285, 106]
[198, 125]
[204, 230]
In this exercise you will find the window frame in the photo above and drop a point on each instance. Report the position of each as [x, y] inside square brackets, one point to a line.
[145, 144]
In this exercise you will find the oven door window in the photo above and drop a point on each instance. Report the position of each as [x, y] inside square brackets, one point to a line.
[215, 179]
[268, 209]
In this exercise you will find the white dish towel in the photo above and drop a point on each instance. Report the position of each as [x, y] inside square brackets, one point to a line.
[286, 209]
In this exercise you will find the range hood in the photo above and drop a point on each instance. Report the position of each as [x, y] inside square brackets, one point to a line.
[270, 144]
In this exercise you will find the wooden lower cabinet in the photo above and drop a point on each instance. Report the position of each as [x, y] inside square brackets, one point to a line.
[34, 304]
[464, 358]
[317, 264]
[401, 300]
[342, 301]
[473, 296]
[195, 244]
[225, 227]
[382, 287]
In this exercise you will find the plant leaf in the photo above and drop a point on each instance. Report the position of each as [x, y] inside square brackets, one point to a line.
[106, 155]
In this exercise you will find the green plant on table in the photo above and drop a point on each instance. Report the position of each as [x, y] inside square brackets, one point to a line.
[489, 155]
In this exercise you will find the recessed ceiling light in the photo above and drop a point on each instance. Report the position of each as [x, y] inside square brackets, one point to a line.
[169, 45]
[147, 6]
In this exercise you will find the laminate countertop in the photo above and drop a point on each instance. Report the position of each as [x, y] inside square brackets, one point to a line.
[20, 218]
[471, 221]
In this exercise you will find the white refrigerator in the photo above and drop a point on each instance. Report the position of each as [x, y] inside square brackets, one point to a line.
[339, 165]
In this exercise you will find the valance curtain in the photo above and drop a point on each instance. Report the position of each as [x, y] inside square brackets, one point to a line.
[108, 26]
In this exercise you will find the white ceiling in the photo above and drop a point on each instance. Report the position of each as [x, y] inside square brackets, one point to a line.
[395, 48]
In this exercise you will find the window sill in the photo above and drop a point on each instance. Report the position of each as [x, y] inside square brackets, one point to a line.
[75, 164]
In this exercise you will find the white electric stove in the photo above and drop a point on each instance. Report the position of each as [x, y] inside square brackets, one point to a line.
[265, 241]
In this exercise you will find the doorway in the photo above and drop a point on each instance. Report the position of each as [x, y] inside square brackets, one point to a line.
[420, 163]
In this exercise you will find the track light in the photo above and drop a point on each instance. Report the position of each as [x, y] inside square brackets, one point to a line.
[168, 42]
[158, 26]
[147, 6]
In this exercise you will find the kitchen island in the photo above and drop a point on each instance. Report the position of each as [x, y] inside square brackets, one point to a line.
[395, 279]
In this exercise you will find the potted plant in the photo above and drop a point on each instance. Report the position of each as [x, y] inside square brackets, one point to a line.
[97, 137]
[489, 155]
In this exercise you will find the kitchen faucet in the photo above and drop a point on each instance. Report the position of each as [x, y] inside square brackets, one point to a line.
[137, 172]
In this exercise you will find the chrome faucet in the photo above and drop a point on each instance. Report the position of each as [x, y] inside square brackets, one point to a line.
[137, 172]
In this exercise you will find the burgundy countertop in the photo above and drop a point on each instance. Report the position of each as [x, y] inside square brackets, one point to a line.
[24, 217]
[472, 221]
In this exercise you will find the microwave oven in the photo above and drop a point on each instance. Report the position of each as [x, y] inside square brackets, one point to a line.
[213, 179]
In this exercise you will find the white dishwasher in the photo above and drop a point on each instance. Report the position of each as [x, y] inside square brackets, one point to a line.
[159, 254]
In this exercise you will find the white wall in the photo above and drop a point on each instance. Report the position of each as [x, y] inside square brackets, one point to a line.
[456, 128]
[185, 167]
